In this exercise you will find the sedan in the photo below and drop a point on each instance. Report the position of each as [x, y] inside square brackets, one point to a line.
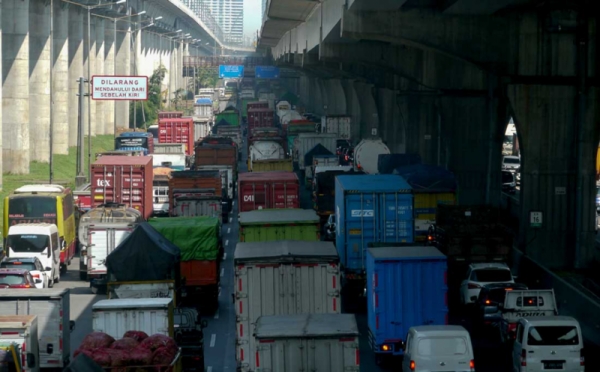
[33, 264]
[17, 278]
[480, 274]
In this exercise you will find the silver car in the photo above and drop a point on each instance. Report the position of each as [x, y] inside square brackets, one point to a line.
[511, 163]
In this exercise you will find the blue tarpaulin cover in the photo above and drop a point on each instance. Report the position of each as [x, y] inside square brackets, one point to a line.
[204, 101]
[427, 178]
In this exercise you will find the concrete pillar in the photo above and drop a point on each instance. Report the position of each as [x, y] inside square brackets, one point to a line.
[109, 69]
[75, 68]
[323, 104]
[303, 91]
[316, 97]
[15, 86]
[39, 84]
[123, 67]
[336, 100]
[391, 126]
[180, 81]
[60, 80]
[547, 131]
[172, 71]
[352, 108]
[99, 70]
[135, 70]
[1, 64]
[89, 53]
[420, 117]
[369, 118]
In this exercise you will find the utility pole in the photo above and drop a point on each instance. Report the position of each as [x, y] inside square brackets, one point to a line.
[80, 178]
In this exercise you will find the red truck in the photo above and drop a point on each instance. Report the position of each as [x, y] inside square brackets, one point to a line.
[124, 180]
[195, 193]
[170, 114]
[257, 105]
[180, 130]
[268, 190]
[260, 118]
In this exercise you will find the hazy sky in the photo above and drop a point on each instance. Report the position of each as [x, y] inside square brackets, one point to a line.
[252, 17]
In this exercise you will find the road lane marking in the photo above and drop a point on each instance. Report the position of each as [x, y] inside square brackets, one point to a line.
[224, 256]
[228, 230]
[226, 242]
[222, 271]
[219, 290]
[208, 369]
[233, 203]
[230, 218]
[217, 315]
[213, 339]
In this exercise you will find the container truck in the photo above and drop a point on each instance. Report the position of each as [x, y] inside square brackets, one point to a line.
[228, 185]
[366, 155]
[260, 118]
[257, 105]
[280, 278]
[203, 108]
[123, 180]
[292, 129]
[230, 115]
[323, 188]
[265, 148]
[177, 131]
[268, 190]
[217, 151]
[196, 193]
[160, 191]
[135, 141]
[232, 132]
[314, 342]
[406, 287]
[53, 311]
[279, 224]
[307, 141]
[369, 208]
[431, 187]
[318, 155]
[170, 155]
[199, 241]
[170, 114]
[117, 316]
[341, 125]
[100, 231]
[273, 165]
[267, 97]
[19, 346]
[282, 106]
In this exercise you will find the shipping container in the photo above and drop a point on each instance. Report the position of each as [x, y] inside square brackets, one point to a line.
[406, 287]
[281, 278]
[201, 129]
[217, 154]
[278, 165]
[19, 339]
[170, 114]
[265, 149]
[169, 148]
[230, 115]
[124, 180]
[177, 131]
[366, 155]
[338, 124]
[53, 310]
[195, 193]
[117, 316]
[268, 190]
[313, 342]
[245, 101]
[257, 105]
[307, 141]
[260, 118]
[321, 159]
[279, 224]
[203, 108]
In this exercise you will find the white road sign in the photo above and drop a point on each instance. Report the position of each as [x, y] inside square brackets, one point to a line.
[120, 88]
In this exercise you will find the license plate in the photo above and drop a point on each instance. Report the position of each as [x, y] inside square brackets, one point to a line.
[553, 365]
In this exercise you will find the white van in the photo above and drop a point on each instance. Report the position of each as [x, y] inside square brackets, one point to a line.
[438, 348]
[548, 343]
[36, 240]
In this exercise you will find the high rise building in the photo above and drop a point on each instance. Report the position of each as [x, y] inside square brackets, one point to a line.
[229, 14]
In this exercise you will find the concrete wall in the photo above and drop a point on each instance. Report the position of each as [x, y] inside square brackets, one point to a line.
[75, 68]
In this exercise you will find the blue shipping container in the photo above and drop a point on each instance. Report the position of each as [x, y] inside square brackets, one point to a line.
[371, 208]
[406, 287]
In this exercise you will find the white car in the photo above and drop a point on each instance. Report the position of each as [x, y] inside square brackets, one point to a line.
[511, 163]
[33, 264]
[480, 274]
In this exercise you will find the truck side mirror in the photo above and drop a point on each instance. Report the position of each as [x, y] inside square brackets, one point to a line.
[47, 268]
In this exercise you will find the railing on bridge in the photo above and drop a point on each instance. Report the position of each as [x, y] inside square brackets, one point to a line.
[206, 61]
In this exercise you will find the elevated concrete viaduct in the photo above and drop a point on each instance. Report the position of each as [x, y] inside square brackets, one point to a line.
[442, 78]
[45, 50]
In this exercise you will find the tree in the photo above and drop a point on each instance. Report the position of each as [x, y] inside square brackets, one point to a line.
[206, 77]
[148, 110]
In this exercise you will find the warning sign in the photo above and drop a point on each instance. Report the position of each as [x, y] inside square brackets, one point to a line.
[115, 88]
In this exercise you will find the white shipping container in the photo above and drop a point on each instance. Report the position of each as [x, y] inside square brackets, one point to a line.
[203, 111]
[306, 141]
[339, 124]
[52, 308]
[201, 130]
[197, 205]
[280, 278]
[150, 315]
[22, 333]
[169, 148]
[307, 342]
[322, 160]
[177, 160]
[366, 155]
[265, 150]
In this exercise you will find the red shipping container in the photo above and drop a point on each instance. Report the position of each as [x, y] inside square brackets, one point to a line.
[170, 114]
[123, 179]
[257, 105]
[262, 117]
[177, 131]
[268, 190]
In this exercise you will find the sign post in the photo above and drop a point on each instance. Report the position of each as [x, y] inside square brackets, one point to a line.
[119, 88]
[267, 72]
[231, 71]
[535, 219]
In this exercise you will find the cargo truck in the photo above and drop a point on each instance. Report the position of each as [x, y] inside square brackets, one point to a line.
[281, 278]
[228, 186]
[323, 188]
[273, 165]
[170, 155]
[160, 191]
[366, 155]
[179, 130]
[265, 148]
[230, 115]
[307, 141]
[369, 208]
[135, 141]
[279, 224]
[217, 151]
[196, 193]
[316, 154]
[406, 287]
[268, 190]
[341, 125]
[260, 118]
[19, 346]
[100, 231]
[53, 311]
[123, 180]
[170, 114]
[199, 241]
[232, 132]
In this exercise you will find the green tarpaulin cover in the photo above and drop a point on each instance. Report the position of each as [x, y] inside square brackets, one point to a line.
[196, 237]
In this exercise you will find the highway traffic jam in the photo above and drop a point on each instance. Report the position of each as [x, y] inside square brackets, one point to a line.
[256, 237]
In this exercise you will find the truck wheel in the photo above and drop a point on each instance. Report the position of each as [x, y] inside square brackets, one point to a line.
[83, 275]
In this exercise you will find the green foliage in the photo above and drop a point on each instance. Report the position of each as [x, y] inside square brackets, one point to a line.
[146, 112]
[206, 78]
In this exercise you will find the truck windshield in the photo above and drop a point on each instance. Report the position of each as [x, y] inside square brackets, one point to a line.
[123, 142]
[493, 275]
[28, 243]
[553, 336]
[32, 209]
[442, 346]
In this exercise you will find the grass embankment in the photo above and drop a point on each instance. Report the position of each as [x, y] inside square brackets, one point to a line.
[64, 168]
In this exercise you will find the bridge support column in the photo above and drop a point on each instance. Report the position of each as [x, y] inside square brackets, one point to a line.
[316, 96]
[123, 67]
[172, 55]
[391, 126]
[100, 62]
[60, 80]
[15, 86]
[352, 108]
[109, 69]
[369, 118]
[336, 100]
[39, 84]
[304, 91]
[89, 58]
[75, 68]
[179, 68]
[548, 140]
[420, 117]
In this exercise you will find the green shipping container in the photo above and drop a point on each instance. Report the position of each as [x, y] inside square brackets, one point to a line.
[269, 225]
[197, 237]
[245, 102]
[232, 117]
